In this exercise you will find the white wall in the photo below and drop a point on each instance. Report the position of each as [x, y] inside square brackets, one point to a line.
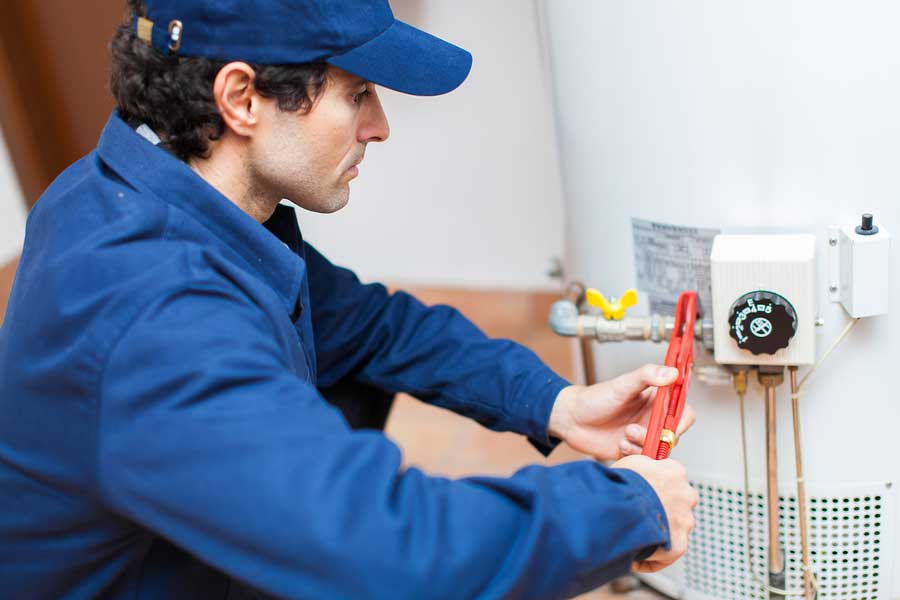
[12, 208]
[466, 192]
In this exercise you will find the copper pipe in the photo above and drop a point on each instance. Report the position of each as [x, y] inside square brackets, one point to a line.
[575, 293]
[587, 361]
[775, 559]
[801, 486]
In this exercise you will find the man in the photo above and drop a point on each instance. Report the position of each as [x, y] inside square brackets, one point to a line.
[162, 433]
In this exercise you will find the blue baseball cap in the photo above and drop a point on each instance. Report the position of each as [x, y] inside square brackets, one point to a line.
[360, 36]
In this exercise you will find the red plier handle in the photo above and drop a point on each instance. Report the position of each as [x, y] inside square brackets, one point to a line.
[668, 405]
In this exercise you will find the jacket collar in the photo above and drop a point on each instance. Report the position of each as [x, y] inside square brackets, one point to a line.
[149, 168]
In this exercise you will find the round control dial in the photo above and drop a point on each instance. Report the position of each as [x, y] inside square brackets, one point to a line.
[762, 322]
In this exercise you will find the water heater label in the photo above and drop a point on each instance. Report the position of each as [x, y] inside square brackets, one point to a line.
[670, 259]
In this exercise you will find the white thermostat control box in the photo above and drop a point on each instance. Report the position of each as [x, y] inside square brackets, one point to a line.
[859, 267]
[763, 295]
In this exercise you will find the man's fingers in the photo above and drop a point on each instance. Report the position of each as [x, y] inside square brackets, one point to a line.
[635, 434]
[627, 448]
[647, 566]
[631, 384]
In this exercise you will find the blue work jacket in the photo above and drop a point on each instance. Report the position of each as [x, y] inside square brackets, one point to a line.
[162, 432]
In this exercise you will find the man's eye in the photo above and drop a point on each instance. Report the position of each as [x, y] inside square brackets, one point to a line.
[359, 96]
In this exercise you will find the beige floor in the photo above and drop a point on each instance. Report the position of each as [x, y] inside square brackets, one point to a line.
[442, 443]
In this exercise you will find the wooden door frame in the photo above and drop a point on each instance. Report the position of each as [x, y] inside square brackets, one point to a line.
[27, 162]
[39, 143]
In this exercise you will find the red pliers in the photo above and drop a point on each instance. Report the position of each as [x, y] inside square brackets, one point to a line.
[668, 405]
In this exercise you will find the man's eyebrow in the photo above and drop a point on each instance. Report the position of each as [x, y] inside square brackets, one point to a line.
[355, 82]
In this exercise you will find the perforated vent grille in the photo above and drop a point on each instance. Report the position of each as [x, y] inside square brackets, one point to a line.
[845, 543]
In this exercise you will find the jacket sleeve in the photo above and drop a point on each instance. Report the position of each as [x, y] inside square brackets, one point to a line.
[206, 438]
[396, 343]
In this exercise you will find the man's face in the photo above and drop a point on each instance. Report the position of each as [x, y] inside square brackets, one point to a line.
[310, 158]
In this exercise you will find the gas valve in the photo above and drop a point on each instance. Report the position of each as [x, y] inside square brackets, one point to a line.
[614, 308]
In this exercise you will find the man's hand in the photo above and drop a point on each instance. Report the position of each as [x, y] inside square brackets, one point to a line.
[668, 478]
[609, 420]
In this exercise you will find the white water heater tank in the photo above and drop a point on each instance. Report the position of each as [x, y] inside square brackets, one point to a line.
[677, 121]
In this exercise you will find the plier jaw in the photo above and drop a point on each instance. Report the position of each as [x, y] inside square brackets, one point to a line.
[669, 402]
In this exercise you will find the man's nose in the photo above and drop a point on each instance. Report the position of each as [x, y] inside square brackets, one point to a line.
[374, 124]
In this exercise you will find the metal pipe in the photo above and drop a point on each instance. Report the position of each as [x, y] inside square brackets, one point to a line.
[775, 563]
[801, 486]
[576, 293]
[566, 320]
[587, 361]
[770, 378]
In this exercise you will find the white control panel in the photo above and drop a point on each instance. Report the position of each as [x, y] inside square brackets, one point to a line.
[764, 303]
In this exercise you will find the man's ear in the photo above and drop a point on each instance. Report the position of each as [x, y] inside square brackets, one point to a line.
[236, 97]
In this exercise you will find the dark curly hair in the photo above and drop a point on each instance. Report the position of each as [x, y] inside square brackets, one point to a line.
[173, 94]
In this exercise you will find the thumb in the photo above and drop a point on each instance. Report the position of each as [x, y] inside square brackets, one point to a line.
[648, 375]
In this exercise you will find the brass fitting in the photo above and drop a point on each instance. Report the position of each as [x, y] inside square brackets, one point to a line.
[668, 436]
[740, 381]
[770, 376]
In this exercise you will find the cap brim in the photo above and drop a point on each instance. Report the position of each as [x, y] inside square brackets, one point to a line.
[408, 60]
